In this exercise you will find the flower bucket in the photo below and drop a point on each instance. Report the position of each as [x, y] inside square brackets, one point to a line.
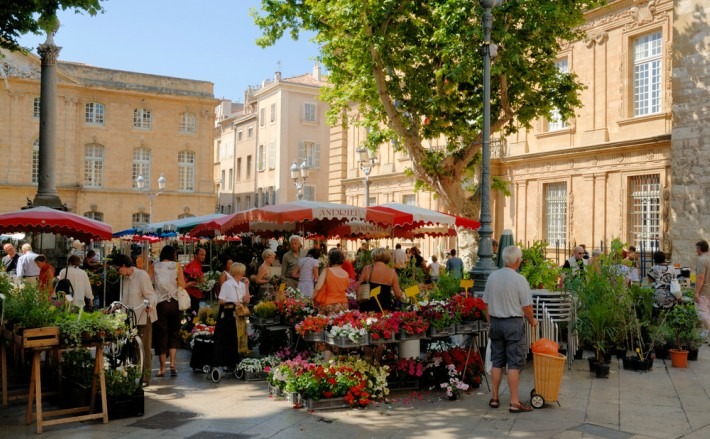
[409, 349]
[678, 358]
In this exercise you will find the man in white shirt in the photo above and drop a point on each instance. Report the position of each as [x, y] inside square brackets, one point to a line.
[81, 285]
[399, 257]
[27, 270]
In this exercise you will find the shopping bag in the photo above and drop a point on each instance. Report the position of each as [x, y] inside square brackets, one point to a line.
[488, 366]
[184, 302]
[545, 346]
[675, 289]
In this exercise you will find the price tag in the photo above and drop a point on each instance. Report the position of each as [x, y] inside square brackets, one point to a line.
[412, 291]
[466, 284]
[374, 292]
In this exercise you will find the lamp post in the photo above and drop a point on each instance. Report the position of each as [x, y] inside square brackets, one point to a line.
[299, 175]
[366, 163]
[140, 184]
[485, 266]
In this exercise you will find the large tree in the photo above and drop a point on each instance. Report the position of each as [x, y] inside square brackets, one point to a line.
[414, 71]
[20, 17]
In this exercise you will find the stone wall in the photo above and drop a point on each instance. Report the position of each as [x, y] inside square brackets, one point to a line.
[690, 146]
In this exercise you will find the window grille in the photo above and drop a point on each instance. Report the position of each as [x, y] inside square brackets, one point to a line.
[645, 211]
[556, 213]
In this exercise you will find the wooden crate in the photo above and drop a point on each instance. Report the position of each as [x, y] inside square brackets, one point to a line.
[40, 337]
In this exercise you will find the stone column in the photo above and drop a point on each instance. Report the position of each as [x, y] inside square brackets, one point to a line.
[47, 187]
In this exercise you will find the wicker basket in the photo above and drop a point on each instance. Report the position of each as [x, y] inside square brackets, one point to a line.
[548, 375]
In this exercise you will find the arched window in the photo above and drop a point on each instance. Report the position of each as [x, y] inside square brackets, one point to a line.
[93, 165]
[186, 171]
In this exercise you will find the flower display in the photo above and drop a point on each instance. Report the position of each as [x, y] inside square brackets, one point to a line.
[412, 323]
[207, 281]
[350, 377]
[293, 309]
[383, 326]
[353, 333]
[438, 313]
[468, 307]
[315, 323]
[454, 386]
[265, 309]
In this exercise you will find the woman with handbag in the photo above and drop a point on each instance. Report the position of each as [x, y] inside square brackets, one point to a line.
[660, 277]
[167, 276]
[380, 274]
[230, 332]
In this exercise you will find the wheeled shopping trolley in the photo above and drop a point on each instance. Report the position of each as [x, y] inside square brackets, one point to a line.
[548, 377]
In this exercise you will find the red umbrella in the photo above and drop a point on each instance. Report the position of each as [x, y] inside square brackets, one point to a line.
[305, 216]
[147, 238]
[413, 217]
[211, 227]
[47, 220]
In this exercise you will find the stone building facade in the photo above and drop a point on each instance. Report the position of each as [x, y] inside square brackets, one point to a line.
[281, 122]
[606, 173]
[111, 127]
[690, 161]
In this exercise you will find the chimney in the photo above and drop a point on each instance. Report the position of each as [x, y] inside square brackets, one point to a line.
[316, 72]
[277, 75]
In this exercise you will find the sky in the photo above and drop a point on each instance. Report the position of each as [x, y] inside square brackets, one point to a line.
[208, 40]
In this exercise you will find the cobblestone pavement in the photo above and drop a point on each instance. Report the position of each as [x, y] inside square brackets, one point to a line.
[662, 403]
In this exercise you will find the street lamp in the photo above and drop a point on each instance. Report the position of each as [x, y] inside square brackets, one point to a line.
[140, 184]
[367, 161]
[299, 174]
[485, 266]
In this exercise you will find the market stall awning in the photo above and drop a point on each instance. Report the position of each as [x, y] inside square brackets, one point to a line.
[413, 217]
[302, 216]
[48, 220]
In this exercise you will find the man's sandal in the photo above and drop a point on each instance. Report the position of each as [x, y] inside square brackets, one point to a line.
[494, 403]
[520, 408]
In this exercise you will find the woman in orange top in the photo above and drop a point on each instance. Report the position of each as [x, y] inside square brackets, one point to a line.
[329, 294]
[45, 282]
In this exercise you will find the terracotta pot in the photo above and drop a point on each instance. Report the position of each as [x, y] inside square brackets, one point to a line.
[678, 358]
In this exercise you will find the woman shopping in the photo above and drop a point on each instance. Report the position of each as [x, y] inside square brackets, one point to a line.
[167, 276]
[230, 331]
[380, 274]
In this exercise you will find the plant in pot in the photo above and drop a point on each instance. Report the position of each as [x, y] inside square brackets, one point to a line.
[682, 323]
[600, 308]
[537, 269]
[124, 392]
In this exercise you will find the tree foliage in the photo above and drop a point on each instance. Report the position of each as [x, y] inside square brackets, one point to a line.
[414, 71]
[20, 17]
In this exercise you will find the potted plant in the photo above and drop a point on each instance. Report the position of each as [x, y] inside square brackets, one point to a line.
[77, 376]
[540, 272]
[599, 316]
[682, 322]
[124, 392]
